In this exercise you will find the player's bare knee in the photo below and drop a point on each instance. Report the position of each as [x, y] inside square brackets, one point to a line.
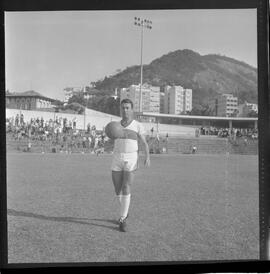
[117, 181]
[117, 190]
[125, 188]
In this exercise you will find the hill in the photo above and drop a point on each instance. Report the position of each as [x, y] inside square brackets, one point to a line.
[207, 75]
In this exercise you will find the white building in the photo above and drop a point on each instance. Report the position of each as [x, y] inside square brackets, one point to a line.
[150, 97]
[115, 95]
[246, 108]
[154, 99]
[187, 100]
[251, 107]
[162, 98]
[225, 105]
[87, 91]
[177, 100]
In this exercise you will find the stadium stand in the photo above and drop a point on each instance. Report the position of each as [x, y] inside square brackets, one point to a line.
[47, 132]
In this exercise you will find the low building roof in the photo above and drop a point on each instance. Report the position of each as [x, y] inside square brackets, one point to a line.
[29, 93]
[152, 114]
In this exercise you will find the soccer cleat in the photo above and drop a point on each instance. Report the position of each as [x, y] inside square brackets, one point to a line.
[121, 219]
[123, 224]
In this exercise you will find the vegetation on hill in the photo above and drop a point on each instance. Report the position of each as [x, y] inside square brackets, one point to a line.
[189, 69]
[206, 75]
[99, 102]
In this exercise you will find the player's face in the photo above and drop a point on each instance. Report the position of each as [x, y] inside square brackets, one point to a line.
[126, 110]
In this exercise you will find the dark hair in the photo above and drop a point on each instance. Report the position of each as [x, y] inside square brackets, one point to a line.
[127, 101]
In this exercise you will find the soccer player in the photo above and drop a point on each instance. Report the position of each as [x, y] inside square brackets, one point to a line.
[125, 159]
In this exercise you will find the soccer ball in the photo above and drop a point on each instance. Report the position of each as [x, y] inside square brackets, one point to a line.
[114, 130]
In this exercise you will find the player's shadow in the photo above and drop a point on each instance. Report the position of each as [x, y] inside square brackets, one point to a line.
[12, 212]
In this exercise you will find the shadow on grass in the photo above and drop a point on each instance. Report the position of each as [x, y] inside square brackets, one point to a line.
[12, 212]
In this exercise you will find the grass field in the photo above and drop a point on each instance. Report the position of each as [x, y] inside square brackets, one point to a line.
[62, 208]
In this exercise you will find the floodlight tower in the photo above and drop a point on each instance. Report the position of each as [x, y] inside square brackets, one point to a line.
[142, 23]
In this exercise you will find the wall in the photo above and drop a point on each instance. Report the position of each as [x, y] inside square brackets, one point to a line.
[100, 119]
[172, 130]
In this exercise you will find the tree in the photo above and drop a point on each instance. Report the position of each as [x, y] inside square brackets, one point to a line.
[196, 110]
[78, 98]
[207, 110]
[235, 112]
[252, 113]
[74, 107]
[202, 110]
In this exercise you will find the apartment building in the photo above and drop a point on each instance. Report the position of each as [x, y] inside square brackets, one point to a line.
[150, 97]
[162, 98]
[177, 100]
[70, 91]
[224, 105]
[246, 108]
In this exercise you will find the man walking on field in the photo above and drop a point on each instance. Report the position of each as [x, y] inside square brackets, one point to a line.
[125, 159]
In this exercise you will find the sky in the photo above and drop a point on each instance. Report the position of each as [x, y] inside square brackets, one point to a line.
[47, 51]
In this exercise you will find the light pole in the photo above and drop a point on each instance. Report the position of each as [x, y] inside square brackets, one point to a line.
[142, 23]
[84, 119]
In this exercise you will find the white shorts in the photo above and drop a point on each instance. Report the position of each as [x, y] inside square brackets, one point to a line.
[125, 161]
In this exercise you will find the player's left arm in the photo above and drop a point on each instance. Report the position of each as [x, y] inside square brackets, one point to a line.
[146, 149]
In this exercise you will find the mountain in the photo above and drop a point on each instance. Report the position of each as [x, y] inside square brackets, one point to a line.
[206, 75]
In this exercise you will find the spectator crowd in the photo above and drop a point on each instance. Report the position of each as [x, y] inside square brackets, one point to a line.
[233, 132]
[59, 133]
